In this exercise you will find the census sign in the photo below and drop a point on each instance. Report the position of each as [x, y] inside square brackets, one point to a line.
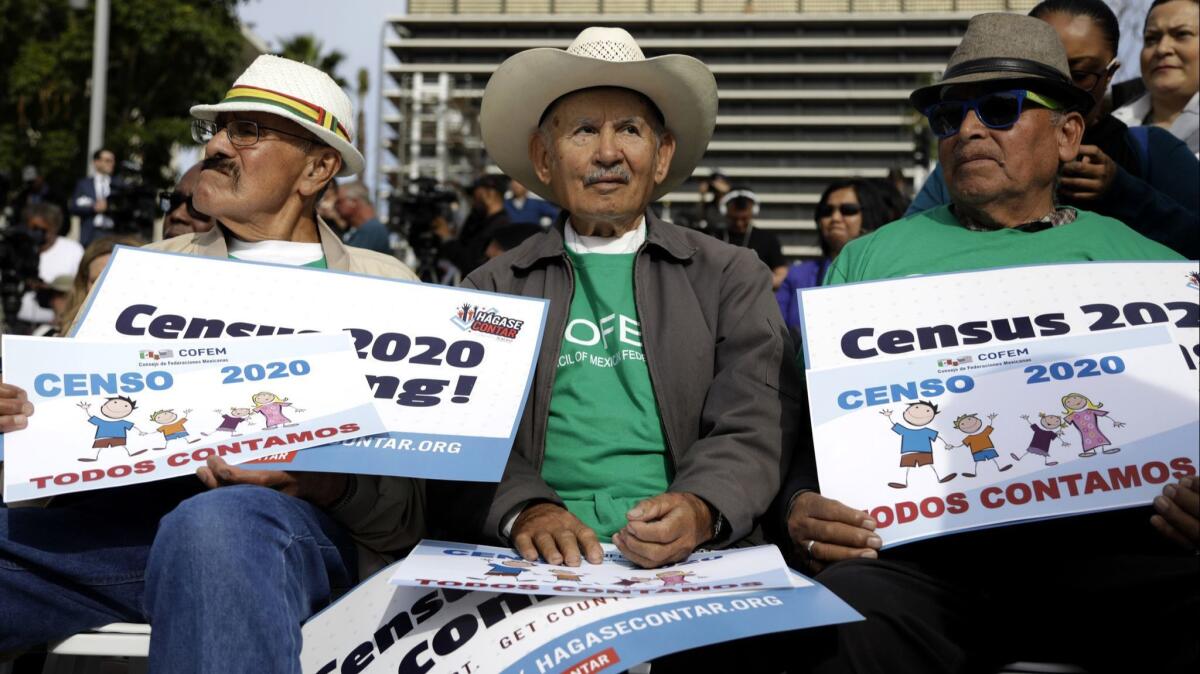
[449, 368]
[959, 401]
[115, 413]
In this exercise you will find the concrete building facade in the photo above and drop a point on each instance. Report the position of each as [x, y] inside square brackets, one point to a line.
[810, 90]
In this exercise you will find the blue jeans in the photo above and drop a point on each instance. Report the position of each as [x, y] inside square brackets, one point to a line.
[224, 577]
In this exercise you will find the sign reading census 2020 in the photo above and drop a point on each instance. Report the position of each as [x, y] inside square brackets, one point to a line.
[960, 401]
[116, 413]
[449, 368]
[376, 628]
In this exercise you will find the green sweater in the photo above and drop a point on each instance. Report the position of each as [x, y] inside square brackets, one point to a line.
[933, 241]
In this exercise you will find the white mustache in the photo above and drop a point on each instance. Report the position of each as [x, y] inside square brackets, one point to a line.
[613, 173]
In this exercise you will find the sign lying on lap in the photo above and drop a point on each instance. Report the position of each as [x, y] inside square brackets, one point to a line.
[110, 414]
[449, 368]
[488, 568]
[960, 401]
[379, 627]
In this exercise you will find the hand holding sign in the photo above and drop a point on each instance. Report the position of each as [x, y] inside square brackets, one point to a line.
[15, 408]
[321, 489]
[829, 531]
[1178, 515]
[664, 529]
[558, 536]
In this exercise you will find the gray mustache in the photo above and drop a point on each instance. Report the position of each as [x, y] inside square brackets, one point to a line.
[602, 174]
[220, 163]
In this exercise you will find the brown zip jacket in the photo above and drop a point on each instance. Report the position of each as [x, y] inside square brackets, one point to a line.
[720, 362]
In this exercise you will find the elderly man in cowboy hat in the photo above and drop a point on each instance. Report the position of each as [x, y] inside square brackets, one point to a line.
[663, 403]
[226, 567]
[1008, 117]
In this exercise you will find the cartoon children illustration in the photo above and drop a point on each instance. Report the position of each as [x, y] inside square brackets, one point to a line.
[509, 568]
[979, 441]
[566, 575]
[916, 444]
[271, 407]
[669, 578]
[629, 582]
[1084, 415]
[171, 426]
[1051, 428]
[112, 427]
[231, 421]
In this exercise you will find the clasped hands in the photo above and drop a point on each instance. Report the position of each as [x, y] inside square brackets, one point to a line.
[659, 530]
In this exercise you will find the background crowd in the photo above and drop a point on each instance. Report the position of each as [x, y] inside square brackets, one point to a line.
[1138, 164]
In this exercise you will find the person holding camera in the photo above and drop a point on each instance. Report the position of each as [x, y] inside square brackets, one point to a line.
[467, 251]
[708, 210]
[57, 256]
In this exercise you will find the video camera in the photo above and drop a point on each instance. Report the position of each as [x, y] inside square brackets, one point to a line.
[132, 204]
[411, 213]
[19, 259]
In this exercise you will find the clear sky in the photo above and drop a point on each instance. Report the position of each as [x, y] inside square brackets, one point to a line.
[349, 26]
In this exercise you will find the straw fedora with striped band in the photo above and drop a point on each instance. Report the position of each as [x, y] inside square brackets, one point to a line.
[298, 92]
[521, 89]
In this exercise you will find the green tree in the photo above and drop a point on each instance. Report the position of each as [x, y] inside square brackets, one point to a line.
[306, 48]
[164, 57]
[360, 116]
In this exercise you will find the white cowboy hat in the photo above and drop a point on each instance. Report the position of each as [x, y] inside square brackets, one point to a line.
[297, 92]
[527, 83]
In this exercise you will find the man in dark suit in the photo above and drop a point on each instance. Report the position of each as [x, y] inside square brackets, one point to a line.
[90, 199]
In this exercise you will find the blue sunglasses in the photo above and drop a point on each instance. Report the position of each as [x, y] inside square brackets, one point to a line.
[996, 110]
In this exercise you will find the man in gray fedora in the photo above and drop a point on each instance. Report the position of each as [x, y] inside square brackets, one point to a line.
[663, 406]
[1114, 591]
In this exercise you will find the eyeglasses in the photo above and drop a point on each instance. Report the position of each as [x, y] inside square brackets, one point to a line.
[1088, 79]
[242, 132]
[847, 210]
[996, 110]
[169, 201]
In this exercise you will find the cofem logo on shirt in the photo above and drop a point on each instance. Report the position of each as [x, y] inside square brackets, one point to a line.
[488, 321]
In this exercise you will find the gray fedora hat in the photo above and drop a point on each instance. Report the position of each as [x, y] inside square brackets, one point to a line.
[1012, 50]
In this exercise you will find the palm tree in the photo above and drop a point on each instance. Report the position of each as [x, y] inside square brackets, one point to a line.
[360, 119]
[306, 48]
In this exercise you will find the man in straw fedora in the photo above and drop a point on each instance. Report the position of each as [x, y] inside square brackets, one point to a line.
[224, 568]
[1104, 590]
[663, 405]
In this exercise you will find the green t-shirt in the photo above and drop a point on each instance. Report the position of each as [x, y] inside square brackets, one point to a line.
[605, 449]
[933, 241]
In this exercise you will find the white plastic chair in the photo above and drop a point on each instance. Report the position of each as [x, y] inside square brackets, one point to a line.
[119, 647]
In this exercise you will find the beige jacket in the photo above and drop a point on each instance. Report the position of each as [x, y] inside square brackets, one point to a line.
[385, 514]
